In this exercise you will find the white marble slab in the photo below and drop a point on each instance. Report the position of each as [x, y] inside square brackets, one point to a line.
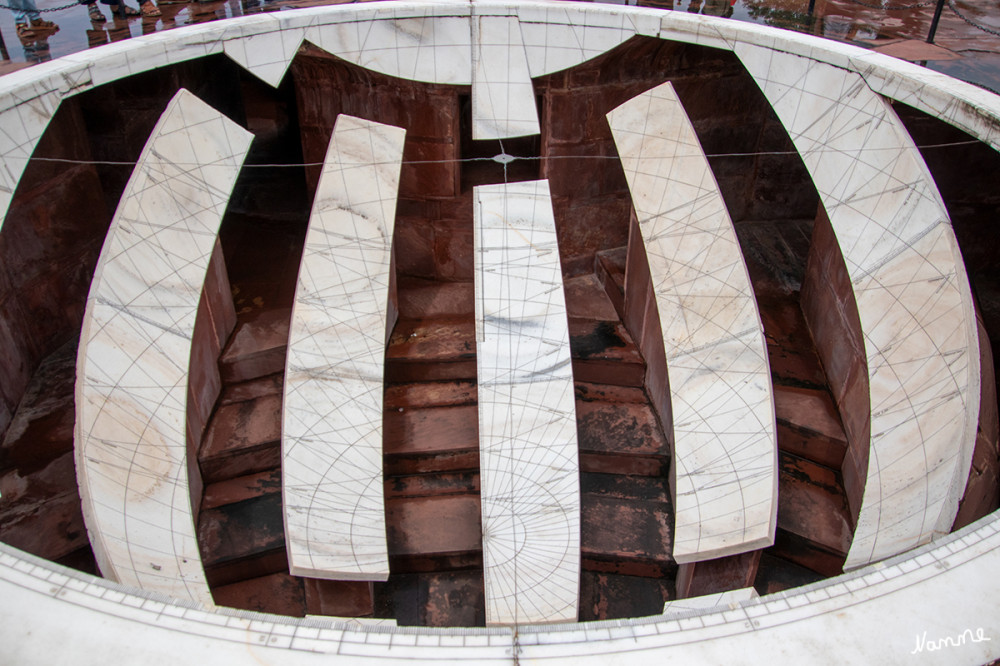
[135, 348]
[527, 413]
[911, 290]
[503, 98]
[556, 37]
[435, 49]
[724, 476]
[266, 54]
[332, 431]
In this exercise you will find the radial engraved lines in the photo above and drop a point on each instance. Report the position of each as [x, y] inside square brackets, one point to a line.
[912, 294]
[332, 434]
[725, 452]
[527, 414]
[503, 98]
[435, 49]
[135, 348]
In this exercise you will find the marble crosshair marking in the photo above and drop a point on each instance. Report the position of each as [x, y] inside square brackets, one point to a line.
[912, 293]
[725, 451]
[332, 430]
[527, 414]
[135, 347]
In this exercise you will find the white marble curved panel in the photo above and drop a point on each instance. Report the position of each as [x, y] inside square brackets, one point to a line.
[434, 49]
[332, 430]
[912, 293]
[135, 348]
[557, 38]
[724, 472]
[529, 466]
[503, 98]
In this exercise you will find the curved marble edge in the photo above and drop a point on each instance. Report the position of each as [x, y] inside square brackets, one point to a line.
[331, 436]
[876, 615]
[130, 438]
[31, 96]
[725, 456]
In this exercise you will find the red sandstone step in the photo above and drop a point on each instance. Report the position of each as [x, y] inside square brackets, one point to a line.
[440, 599]
[609, 393]
[609, 596]
[814, 523]
[626, 536]
[277, 593]
[808, 425]
[431, 349]
[253, 388]
[428, 485]
[339, 598]
[419, 298]
[775, 574]
[431, 394]
[242, 438]
[587, 299]
[790, 350]
[430, 439]
[243, 540]
[257, 346]
[618, 486]
[604, 353]
[241, 488]
[609, 267]
[39, 500]
[434, 533]
[621, 438]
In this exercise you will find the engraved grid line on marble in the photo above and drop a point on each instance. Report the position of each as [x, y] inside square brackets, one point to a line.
[911, 290]
[332, 431]
[135, 348]
[528, 445]
[25, 114]
[555, 38]
[725, 452]
[266, 55]
[433, 49]
[503, 97]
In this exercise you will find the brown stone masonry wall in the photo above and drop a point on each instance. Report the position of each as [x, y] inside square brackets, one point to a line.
[832, 315]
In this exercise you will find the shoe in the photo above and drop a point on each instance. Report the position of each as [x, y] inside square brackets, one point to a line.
[24, 31]
[95, 14]
[124, 10]
[42, 24]
[149, 10]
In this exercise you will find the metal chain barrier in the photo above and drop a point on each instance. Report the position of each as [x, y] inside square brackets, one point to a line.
[891, 8]
[954, 8]
[40, 11]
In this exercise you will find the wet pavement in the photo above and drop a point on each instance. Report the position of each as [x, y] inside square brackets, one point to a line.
[966, 44]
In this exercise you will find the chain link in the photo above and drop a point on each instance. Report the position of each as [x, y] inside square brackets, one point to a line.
[40, 11]
[891, 8]
[954, 8]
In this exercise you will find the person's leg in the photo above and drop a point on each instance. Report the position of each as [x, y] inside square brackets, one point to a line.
[26, 10]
